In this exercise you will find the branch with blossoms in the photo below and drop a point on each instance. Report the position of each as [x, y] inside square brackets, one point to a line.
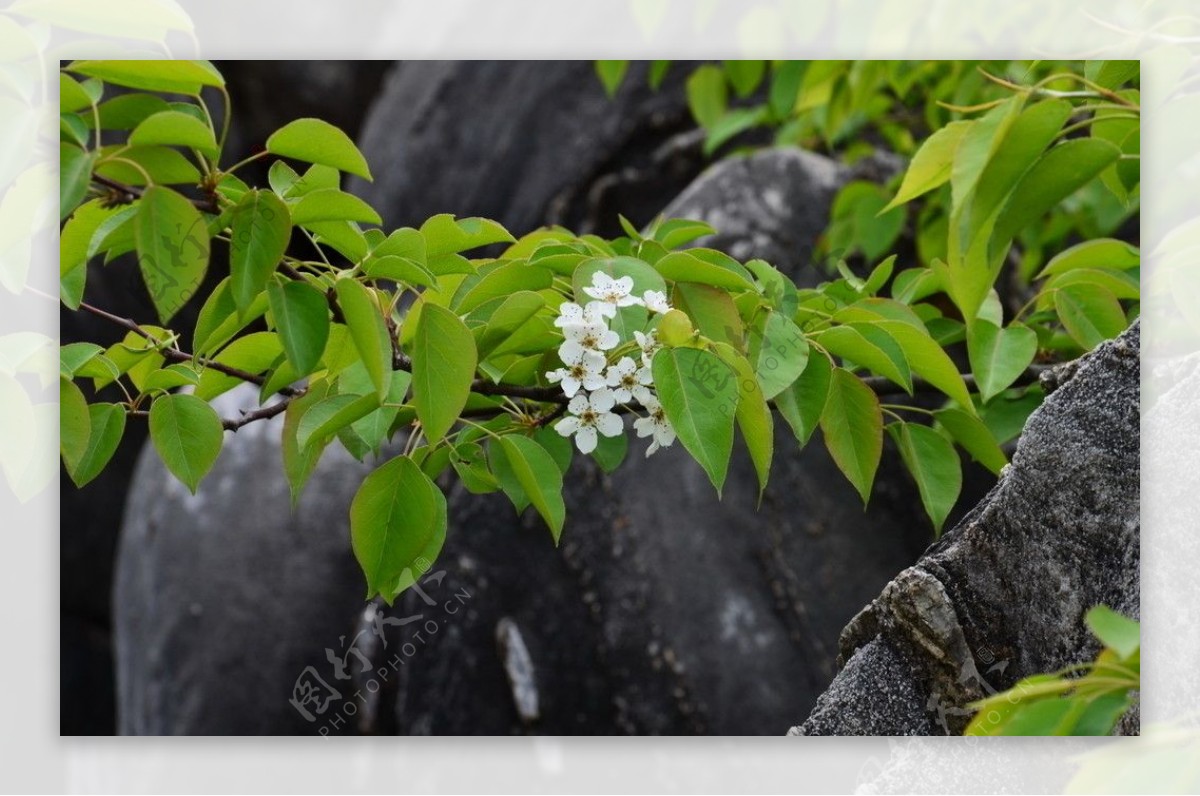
[595, 387]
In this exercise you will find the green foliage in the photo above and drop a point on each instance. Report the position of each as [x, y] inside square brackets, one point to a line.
[1081, 700]
[362, 336]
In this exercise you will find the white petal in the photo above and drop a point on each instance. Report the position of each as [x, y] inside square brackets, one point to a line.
[567, 426]
[594, 381]
[643, 395]
[555, 376]
[625, 366]
[603, 400]
[568, 312]
[585, 438]
[609, 340]
[622, 395]
[645, 375]
[571, 351]
[594, 311]
[650, 401]
[624, 284]
[664, 435]
[578, 405]
[593, 361]
[653, 447]
[605, 309]
[570, 385]
[601, 280]
[609, 424]
[644, 426]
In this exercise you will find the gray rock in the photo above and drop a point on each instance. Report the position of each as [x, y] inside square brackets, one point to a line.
[772, 204]
[1002, 595]
[526, 143]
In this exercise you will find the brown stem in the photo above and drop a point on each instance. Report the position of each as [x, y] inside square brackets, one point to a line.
[175, 355]
[131, 192]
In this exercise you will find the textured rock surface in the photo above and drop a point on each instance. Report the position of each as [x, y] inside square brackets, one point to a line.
[1002, 595]
[526, 143]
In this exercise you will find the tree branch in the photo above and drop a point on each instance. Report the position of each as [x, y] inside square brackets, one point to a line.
[131, 192]
[175, 355]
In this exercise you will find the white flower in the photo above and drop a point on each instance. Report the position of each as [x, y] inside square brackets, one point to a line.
[628, 381]
[656, 301]
[655, 424]
[612, 293]
[648, 343]
[571, 314]
[586, 337]
[584, 370]
[590, 414]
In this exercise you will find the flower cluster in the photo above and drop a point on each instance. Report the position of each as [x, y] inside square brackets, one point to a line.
[595, 386]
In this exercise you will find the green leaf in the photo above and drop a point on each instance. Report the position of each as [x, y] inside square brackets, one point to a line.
[187, 434]
[998, 356]
[1057, 174]
[610, 452]
[929, 360]
[506, 477]
[301, 316]
[471, 465]
[508, 317]
[330, 204]
[261, 230]
[1030, 133]
[611, 73]
[930, 166]
[165, 166]
[676, 232]
[707, 95]
[397, 526]
[368, 330]
[1112, 74]
[779, 354]
[399, 269]
[219, 319]
[503, 280]
[699, 396]
[539, 477]
[106, 423]
[173, 128]
[1119, 633]
[75, 172]
[176, 77]
[753, 414]
[444, 360]
[444, 234]
[934, 466]
[852, 424]
[974, 437]
[75, 423]
[317, 141]
[71, 96]
[300, 461]
[1089, 313]
[1099, 253]
[172, 245]
[871, 347]
[803, 402]
[128, 111]
[712, 310]
[975, 150]
[333, 413]
[745, 76]
[686, 266]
